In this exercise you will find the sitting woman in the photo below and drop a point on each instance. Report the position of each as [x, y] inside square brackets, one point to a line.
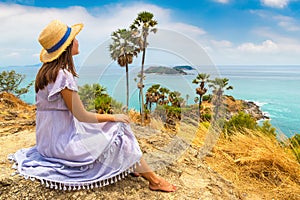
[75, 148]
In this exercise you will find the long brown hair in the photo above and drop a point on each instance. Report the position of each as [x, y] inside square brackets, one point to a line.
[49, 71]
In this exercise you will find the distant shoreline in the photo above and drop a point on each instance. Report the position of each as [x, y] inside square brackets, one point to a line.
[161, 70]
[257, 83]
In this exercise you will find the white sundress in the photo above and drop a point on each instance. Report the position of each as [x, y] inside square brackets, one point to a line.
[74, 155]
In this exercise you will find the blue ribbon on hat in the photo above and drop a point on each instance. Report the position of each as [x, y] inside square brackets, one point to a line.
[61, 42]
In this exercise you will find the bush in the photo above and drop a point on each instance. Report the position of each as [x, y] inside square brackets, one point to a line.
[267, 128]
[295, 145]
[103, 104]
[95, 97]
[173, 113]
[10, 82]
[207, 98]
[240, 122]
[295, 140]
[206, 117]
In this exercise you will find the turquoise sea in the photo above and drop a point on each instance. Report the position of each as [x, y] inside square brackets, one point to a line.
[276, 89]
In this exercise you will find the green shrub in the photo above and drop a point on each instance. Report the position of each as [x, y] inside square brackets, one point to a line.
[103, 104]
[267, 128]
[295, 140]
[239, 122]
[173, 112]
[295, 145]
[207, 98]
[10, 82]
[206, 117]
[95, 97]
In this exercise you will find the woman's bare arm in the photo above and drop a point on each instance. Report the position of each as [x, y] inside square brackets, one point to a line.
[75, 105]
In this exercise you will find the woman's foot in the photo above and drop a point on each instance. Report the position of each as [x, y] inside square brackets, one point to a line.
[162, 185]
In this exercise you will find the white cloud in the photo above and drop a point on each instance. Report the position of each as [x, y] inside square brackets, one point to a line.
[275, 3]
[13, 54]
[187, 29]
[288, 44]
[221, 43]
[21, 26]
[268, 52]
[267, 46]
[287, 23]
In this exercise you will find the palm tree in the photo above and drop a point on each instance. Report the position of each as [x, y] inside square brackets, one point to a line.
[175, 99]
[219, 85]
[123, 49]
[146, 22]
[201, 90]
[163, 92]
[152, 95]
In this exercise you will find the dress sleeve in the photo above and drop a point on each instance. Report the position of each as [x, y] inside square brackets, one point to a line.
[63, 80]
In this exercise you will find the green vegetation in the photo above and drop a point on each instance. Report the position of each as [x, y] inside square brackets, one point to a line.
[267, 128]
[295, 145]
[168, 103]
[207, 98]
[10, 82]
[242, 121]
[238, 123]
[95, 98]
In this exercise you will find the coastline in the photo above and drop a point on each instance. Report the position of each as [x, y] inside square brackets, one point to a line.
[250, 83]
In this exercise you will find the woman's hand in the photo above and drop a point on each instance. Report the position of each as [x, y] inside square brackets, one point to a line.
[121, 118]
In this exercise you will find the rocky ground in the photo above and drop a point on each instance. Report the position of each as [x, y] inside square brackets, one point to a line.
[172, 156]
[193, 177]
[233, 106]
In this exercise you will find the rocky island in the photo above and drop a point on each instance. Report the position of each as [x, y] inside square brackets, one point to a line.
[164, 70]
[184, 67]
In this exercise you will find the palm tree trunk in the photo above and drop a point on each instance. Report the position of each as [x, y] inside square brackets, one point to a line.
[141, 82]
[199, 107]
[218, 104]
[127, 88]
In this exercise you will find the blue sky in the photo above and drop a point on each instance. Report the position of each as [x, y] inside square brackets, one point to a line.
[232, 32]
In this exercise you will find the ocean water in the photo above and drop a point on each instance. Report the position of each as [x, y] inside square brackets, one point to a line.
[276, 89]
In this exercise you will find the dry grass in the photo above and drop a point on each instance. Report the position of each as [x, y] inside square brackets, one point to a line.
[201, 134]
[257, 165]
[136, 118]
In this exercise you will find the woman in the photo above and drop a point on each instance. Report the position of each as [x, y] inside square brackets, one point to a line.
[75, 148]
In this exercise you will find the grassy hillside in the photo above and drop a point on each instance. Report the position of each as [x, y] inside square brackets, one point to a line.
[259, 166]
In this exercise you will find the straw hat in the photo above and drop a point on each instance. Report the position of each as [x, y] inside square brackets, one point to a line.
[55, 38]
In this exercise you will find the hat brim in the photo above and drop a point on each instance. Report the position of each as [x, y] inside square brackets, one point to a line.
[48, 57]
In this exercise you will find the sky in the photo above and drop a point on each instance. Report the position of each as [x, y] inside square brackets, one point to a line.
[231, 32]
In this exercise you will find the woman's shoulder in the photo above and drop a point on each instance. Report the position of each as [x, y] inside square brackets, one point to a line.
[64, 79]
[64, 74]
